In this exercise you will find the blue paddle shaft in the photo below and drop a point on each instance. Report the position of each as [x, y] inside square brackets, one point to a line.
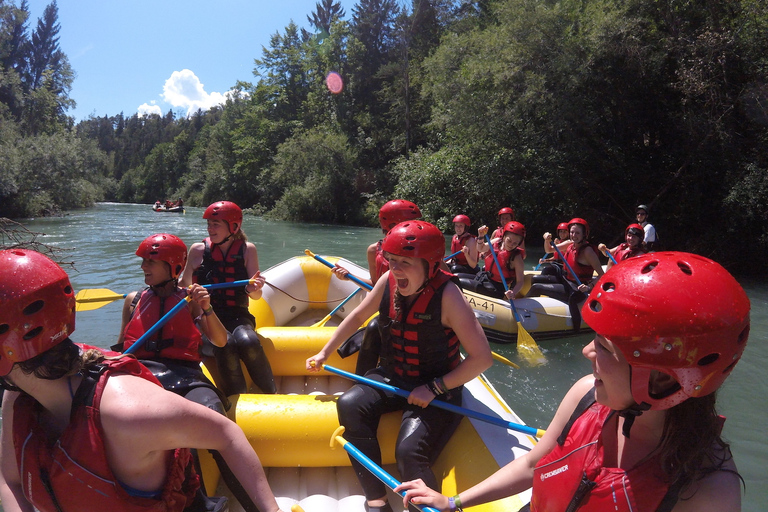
[437, 403]
[566, 263]
[379, 473]
[352, 278]
[344, 302]
[178, 307]
[611, 256]
[501, 275]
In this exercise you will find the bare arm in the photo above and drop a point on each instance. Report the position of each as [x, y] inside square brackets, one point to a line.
[515, 477]
[470, 251]
[11, 494]
[194, 260]
[715, 492]
[142, 422]
[349, 325]
[210, 324]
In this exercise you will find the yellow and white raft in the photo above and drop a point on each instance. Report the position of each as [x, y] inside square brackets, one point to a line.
[542, 317]
[291, 431]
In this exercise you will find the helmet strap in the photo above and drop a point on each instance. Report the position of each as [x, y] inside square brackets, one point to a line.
[629, 414]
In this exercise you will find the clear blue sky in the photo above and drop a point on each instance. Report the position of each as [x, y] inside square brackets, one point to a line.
[166, 54]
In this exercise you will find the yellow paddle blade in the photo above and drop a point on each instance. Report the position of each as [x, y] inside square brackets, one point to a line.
[94, 298]
[527, 347]
[502, 359]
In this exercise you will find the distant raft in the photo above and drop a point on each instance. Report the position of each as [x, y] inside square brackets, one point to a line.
[291, 430]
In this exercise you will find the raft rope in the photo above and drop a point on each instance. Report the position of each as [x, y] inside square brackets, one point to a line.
[304, 300]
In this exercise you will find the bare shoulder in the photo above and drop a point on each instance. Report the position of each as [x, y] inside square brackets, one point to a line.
[715, 492]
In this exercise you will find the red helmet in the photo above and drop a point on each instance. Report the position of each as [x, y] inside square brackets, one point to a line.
[38, 309]
[577, 220]
[508, 210]
[226, 211]
[463, 219]
[167, 248]
[562, 225]
[416, 239]
[515, 227]
[396, 211]
[636, 229]
[660, 311]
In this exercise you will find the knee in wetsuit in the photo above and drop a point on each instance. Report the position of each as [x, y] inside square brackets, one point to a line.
[370, 349]
[252, 353]
[207, 397]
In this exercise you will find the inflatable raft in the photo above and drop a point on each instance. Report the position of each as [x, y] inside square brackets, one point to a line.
[542, 317]
[291, 431]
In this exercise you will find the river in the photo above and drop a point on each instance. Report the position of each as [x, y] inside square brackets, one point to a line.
[103, 241]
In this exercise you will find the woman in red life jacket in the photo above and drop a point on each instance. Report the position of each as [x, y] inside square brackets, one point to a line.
[466, 261]
[227, 256]
[424, 321]
[563, 235]
[173, 354]
[367, 341]
[81, 432]
[510, 257]
[641, 432]
[632, 246]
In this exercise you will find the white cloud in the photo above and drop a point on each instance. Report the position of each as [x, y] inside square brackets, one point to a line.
[147, 109]
[184, 89]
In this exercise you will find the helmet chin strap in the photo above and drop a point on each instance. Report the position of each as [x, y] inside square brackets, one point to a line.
[160, 286]
[629, 414]
[230, 235]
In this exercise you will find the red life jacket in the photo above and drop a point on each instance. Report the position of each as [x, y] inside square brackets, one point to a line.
[382, 263]
[73, 474]
[178, 339]
[457, 243]
[506, 259]
[571, 255]
[572, 475]
[418, 347]
[218, 268]
[625, 251]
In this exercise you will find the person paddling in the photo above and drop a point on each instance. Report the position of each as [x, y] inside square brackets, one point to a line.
[510, 257]
[632, 246]
[84, 432]
[227, 256]
[465, 262]
[641, 433]
[424, 322]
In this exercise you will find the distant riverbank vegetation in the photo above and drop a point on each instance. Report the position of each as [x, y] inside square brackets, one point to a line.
[557, 108]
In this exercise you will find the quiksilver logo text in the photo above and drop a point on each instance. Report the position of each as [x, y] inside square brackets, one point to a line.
[554, 472]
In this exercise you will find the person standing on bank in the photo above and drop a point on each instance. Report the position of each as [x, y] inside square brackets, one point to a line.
[641, 433]
[650, 238]
[227, 256]
[81, 432]
[424, 322]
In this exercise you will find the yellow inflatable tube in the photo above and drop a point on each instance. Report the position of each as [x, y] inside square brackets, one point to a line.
[293, 430]
[288, 348]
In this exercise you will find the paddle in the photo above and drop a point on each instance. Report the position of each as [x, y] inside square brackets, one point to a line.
[371, 466]
[526, 346]
[578, 282]
[368, 287]
[540, 262]
[452, 255]
[606, 252]
[329, 315]
[439, 403]
[98, 297]
[175, 309]
[90, 299]
[328, 264]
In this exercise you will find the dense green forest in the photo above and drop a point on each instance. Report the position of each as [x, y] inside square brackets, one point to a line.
[558, 108]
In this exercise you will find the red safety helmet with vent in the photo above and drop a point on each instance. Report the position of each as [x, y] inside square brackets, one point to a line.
[38, 309]
[506, 210]
[582, 222]
[636, 229]
[416, 239]
[463, 219]
[226, 211]
[562, 225]
[396, 211]
[660, 310]
[515, 227]
[167, 248]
